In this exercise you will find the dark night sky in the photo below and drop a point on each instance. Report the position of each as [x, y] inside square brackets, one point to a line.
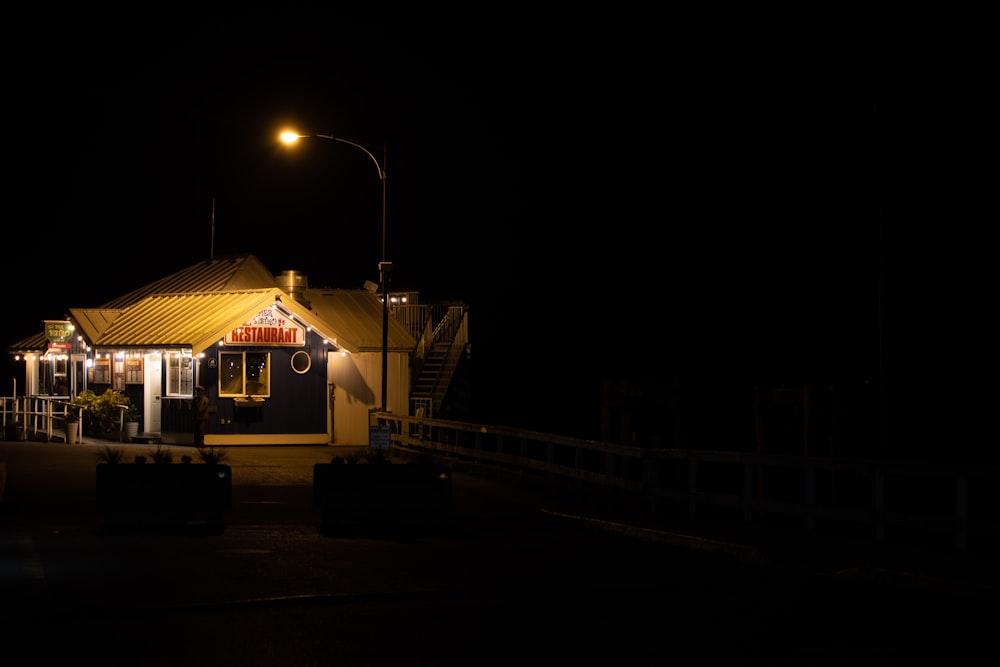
[679, 198]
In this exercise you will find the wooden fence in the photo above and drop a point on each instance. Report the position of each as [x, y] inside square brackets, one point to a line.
[952, 506]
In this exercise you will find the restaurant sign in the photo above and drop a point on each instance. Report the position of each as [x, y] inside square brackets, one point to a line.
[269, 327]
[59, 333]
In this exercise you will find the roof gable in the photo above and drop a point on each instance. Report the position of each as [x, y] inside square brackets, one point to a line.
[237, 272]
[92, 322]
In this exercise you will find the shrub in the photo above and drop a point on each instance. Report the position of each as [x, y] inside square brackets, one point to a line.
[212, 455]
[107, 454]
[376, 456]
[101, 414]
[162, 455]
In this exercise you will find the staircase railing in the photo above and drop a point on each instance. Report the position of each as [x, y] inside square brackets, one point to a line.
[453, 328]
[450, 332]
[424, 343]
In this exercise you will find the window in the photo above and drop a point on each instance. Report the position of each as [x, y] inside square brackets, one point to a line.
[118, 374]
[133, 368]
[301, 362]
[45, 375]
[60, 387]
[244, 374]
[180, 375]
[102, 370]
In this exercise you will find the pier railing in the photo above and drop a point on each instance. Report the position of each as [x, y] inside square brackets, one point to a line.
[947, 505]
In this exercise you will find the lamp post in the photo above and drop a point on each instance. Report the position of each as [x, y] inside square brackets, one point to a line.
[384, 266]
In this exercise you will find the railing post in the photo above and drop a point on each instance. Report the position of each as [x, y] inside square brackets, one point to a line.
[960, 509]
[692, 487]
[878, 504]
[809, 491]
[48, 420]
[747, 492]
[650, 478]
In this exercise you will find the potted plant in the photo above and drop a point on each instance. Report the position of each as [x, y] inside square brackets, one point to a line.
[71, 420]
[130, 427]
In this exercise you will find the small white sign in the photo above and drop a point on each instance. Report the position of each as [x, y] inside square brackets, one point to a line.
[380, 436]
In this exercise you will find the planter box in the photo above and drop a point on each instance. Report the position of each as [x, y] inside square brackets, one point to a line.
[13, 432]
[382, 494]
[164, 493]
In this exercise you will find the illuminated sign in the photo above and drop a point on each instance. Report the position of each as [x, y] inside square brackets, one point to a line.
[59, 332]
[269, 327]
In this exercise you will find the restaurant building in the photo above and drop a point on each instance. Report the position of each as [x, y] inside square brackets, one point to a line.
[282, 362]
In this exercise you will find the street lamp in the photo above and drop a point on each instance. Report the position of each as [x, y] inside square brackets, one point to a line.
[384, 266]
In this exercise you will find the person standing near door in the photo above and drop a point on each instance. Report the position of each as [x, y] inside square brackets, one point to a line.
[200, 416]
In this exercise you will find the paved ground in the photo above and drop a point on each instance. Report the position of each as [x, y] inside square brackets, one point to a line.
[936, 570]
[521, 568]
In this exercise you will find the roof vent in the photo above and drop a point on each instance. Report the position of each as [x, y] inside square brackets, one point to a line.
[295, 283]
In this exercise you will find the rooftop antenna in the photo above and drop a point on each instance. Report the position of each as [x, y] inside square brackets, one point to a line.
[211, 249]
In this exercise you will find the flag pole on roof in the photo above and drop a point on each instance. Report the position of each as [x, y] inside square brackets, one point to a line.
[211, 248]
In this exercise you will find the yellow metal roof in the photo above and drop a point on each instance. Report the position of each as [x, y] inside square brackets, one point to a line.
[36, 343]
[360, 313]
[196, 306]
[224, 274]
[203, 319]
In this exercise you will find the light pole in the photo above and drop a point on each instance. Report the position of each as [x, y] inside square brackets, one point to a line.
[384, 266]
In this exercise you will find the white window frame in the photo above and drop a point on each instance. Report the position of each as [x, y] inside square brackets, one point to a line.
[180, 374]
[228, 371]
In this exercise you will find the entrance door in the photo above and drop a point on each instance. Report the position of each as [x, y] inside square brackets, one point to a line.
[77, 375]
[152, 393]
[352, 397]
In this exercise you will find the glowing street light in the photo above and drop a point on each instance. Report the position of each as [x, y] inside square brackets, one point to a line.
[384, 266]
